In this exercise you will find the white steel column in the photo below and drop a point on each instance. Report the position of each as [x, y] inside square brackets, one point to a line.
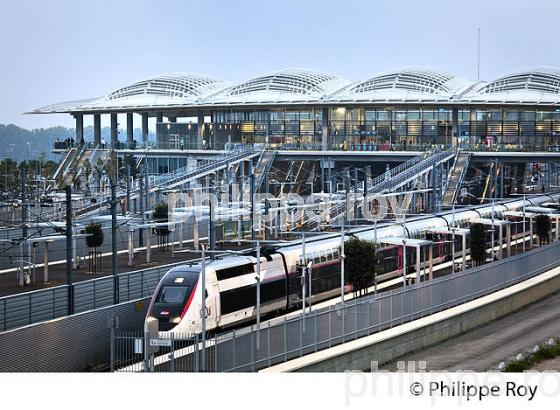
[46, 263]
[149, 245]
[130, 246]
[508, 239]
[418, 273]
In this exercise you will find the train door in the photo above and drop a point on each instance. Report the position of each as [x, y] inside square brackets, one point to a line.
[213, 305]
[210, 305]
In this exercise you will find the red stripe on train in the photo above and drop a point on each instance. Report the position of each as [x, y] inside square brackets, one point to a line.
[189, 300]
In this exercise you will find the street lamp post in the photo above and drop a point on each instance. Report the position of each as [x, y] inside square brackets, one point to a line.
[524, 227]
[303, 271]
[453, 240]
[342, 257]
[492, 197]
[258, 294]
[404, 262]
[203, 308]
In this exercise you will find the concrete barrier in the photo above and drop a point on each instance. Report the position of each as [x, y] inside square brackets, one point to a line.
[390, 344]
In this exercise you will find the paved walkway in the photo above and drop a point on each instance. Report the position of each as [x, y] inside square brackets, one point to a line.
[9, 284]
[483, 348]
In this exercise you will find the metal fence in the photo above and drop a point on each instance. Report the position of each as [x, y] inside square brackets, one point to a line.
[250, 349]
[70, 344]
[45, 304]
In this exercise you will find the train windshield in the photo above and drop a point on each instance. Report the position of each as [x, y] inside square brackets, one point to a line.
[172, 294]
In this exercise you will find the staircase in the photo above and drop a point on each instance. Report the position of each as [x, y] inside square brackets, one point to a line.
[409, 171]
[456, 178]
[63, 167]
[263, 167]
[184, 175]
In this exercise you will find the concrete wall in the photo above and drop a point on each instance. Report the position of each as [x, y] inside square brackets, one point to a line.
[393, 343]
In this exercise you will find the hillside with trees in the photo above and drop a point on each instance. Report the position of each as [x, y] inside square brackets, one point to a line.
[14, 140]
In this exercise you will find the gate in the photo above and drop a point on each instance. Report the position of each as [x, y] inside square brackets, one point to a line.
[139, 352]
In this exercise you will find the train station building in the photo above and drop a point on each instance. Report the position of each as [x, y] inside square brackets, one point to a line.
[311, 110]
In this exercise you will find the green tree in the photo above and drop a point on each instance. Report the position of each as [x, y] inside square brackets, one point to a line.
[359, 264]
[543, 226]
[94, 239]
[477, 244]
[161, 215]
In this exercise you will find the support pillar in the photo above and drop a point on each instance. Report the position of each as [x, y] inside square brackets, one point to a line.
[129, 129]
[454, 126]
[96, 129]
[79, 129]
[145, 128]
[200, 130]
[159, 117]
[114, 131]
[325, 130]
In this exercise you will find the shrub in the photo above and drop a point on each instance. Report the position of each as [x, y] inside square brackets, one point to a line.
[478, 243]
[543, 227]
[359, 263]
[94, 238]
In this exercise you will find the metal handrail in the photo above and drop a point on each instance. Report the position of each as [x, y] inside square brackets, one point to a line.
[410, 170]
[187, 172]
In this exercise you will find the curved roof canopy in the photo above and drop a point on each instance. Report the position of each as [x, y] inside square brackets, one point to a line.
[171, 85]
[410, 85]
[415, 83]
[541, 79]
[288, 85]
[291, 81]
[538, 85]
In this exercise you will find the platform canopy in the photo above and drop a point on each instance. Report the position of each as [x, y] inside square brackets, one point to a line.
[449, 231]
[489, 221]
[400, 240]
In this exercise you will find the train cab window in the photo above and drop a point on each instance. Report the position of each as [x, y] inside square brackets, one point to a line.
[235, 271]
[172, 294]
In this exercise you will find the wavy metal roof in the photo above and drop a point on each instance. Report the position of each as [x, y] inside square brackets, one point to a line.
[407, 85]
[540, 85]
[288, 85]
[181, 85]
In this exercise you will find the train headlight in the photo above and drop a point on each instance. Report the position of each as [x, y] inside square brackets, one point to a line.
[176, 319]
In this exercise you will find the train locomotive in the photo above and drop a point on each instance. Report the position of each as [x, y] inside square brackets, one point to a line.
[231, 281]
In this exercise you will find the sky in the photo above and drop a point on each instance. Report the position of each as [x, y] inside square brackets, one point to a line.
[59, 50]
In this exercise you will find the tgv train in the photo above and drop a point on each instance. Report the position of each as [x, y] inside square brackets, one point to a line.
[231, 281]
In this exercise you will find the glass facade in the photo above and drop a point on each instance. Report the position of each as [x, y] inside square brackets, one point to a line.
[177, 135]
[162, 165]
[370, 128]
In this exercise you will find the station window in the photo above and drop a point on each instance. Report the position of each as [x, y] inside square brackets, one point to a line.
[511, 116]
